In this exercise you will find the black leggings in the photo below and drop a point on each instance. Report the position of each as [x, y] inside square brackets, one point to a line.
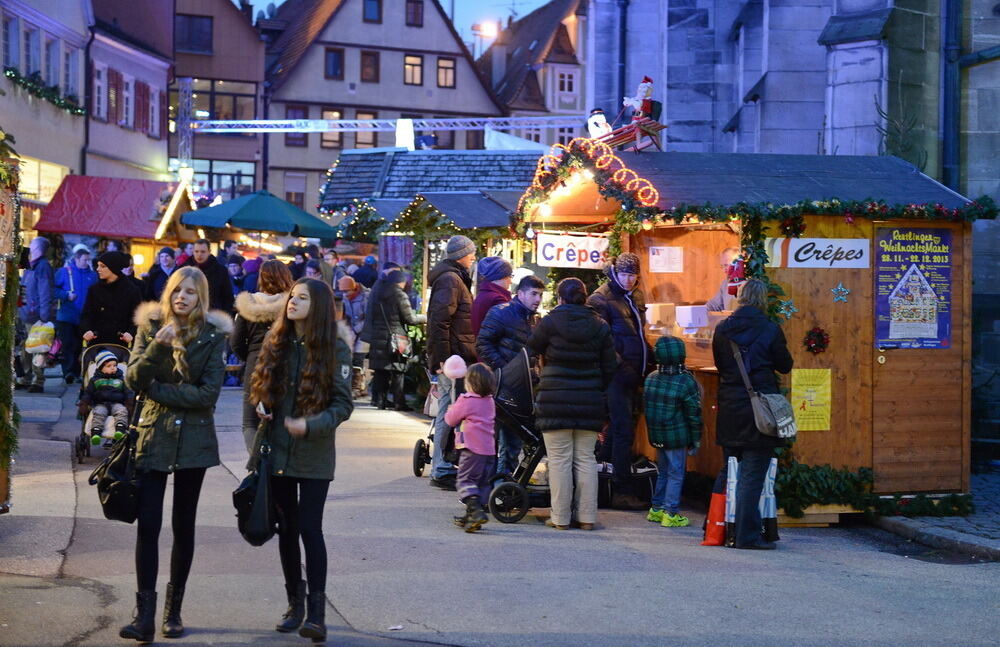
[152, 486]
[385, 383]
[300, 505]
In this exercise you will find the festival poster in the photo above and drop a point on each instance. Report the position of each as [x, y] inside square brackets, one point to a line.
[810, 398]
[913, 287]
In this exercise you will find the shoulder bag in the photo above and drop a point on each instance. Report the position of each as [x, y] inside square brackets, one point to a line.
[115, 477]
[399, 344]
[255, 514]
[772, 412]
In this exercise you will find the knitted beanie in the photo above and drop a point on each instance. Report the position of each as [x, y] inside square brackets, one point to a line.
[459, 246]
[104, 357]
[627, 263]
[494, 268]
[169, 251]
[115, 261]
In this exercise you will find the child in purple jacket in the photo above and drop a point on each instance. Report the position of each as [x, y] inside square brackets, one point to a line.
[473, 414]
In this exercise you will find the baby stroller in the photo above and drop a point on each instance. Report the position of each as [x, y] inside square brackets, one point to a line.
[511, 499]
[423, 448]
[88, 368]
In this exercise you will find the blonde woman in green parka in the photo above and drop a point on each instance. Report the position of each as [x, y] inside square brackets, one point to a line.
[177, 363]
[302, 387]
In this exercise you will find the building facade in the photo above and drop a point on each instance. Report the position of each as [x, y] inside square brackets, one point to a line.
[362, 59]
[130, 58]
[218, 49]
[537, 67]
[43, 43]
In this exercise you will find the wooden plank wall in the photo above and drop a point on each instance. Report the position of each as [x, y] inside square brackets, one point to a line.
[920, 399]
[848, 443]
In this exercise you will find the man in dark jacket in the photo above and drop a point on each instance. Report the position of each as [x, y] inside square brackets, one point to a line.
[220, 287]
[157, 277]
[71, 286]
[366, 275]
[502, 336]
[38, 306]
[449, 332]
[622, 305]
[494, 288]
[111, 303]
[763, 349]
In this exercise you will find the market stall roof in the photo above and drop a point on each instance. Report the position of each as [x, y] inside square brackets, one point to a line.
[261, 211]
[467, 209]
[397, 173]
[111, 206]
[730, 178]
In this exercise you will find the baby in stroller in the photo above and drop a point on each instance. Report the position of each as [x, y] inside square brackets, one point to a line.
[105, 394]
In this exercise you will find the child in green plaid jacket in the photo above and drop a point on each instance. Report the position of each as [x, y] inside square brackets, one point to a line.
[673, 420]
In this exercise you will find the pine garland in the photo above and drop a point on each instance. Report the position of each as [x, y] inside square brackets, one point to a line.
[9, 417]
[36, 86]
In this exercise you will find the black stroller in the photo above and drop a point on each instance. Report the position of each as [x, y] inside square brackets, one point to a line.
[515, 404]
[88, 367]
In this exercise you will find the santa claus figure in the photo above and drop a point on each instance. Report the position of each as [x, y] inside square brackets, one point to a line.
[597, 124]
[642, 102]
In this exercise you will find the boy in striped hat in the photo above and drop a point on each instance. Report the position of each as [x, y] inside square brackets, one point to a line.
[106, 394]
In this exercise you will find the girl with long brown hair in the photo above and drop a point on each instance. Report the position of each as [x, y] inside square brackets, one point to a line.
[255, 312]
[302, 388]
[177, 362]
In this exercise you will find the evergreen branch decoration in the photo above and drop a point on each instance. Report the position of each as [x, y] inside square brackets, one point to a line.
[35, 85]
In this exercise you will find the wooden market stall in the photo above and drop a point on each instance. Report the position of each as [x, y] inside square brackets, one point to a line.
[870, 251]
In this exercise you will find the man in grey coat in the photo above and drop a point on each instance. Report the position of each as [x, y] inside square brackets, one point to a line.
[37, 281]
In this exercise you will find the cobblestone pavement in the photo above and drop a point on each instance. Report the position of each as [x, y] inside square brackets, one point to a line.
[985, 522]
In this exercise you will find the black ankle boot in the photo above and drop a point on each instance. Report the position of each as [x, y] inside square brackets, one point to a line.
[315, 625]
[143, 627]
[172, 626]
[296, 608]
[476, 517]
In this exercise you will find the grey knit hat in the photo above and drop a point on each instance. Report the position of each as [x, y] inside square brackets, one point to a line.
[459, 246]
[627, 263]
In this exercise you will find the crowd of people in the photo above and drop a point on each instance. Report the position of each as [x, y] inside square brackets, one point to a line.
[309, 332]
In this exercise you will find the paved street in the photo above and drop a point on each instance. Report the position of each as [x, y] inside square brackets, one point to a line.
[399, 571]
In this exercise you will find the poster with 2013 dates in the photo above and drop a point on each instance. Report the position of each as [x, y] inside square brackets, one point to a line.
[913, 287]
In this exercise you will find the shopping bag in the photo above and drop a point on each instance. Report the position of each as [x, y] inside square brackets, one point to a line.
[40, 337]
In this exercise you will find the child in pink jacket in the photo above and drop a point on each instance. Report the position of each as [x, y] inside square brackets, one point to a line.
[472, 413]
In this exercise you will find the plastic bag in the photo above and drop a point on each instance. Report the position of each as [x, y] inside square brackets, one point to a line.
[40, 337]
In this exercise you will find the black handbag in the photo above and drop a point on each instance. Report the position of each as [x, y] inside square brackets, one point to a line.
[255, 513]
[115, 477]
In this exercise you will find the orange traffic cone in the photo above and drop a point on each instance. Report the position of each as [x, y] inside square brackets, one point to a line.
[715, 522]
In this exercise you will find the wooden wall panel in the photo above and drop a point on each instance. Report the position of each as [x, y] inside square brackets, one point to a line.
[848, 442]
[919, 398]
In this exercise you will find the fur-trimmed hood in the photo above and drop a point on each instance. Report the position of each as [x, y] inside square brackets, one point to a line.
[149, 312]
[260, 307]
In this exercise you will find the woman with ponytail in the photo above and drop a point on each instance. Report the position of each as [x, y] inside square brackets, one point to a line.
[177, 363]
[302, 390]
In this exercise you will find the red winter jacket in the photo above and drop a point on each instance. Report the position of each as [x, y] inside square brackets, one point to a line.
[489, 295]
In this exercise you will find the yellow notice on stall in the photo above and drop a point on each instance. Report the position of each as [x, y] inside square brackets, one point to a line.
[811, 398]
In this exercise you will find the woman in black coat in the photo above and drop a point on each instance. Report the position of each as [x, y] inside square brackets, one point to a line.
[255, 312]
[111, 302]
[579, 362]
[764, 350]
[389, 310]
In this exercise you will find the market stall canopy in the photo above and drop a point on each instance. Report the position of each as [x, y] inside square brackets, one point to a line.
[466, 209]
[114, 207]
[261, 211]
[399, 174]
[730, 178]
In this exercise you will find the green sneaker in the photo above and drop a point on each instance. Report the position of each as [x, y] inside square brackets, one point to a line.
[654, 515]
[674, 521]
[96, 439]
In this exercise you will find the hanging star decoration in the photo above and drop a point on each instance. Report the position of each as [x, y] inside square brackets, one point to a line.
[840, 292]
[786, 308]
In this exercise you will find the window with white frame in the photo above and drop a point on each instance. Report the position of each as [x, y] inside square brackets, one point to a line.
[128, 102]
[532, 134]
[71, 75]
[154, 113]
[565, 135]
[10, 39]
[51, 61]
[32, 50]
[567, 82]
[100, 89]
